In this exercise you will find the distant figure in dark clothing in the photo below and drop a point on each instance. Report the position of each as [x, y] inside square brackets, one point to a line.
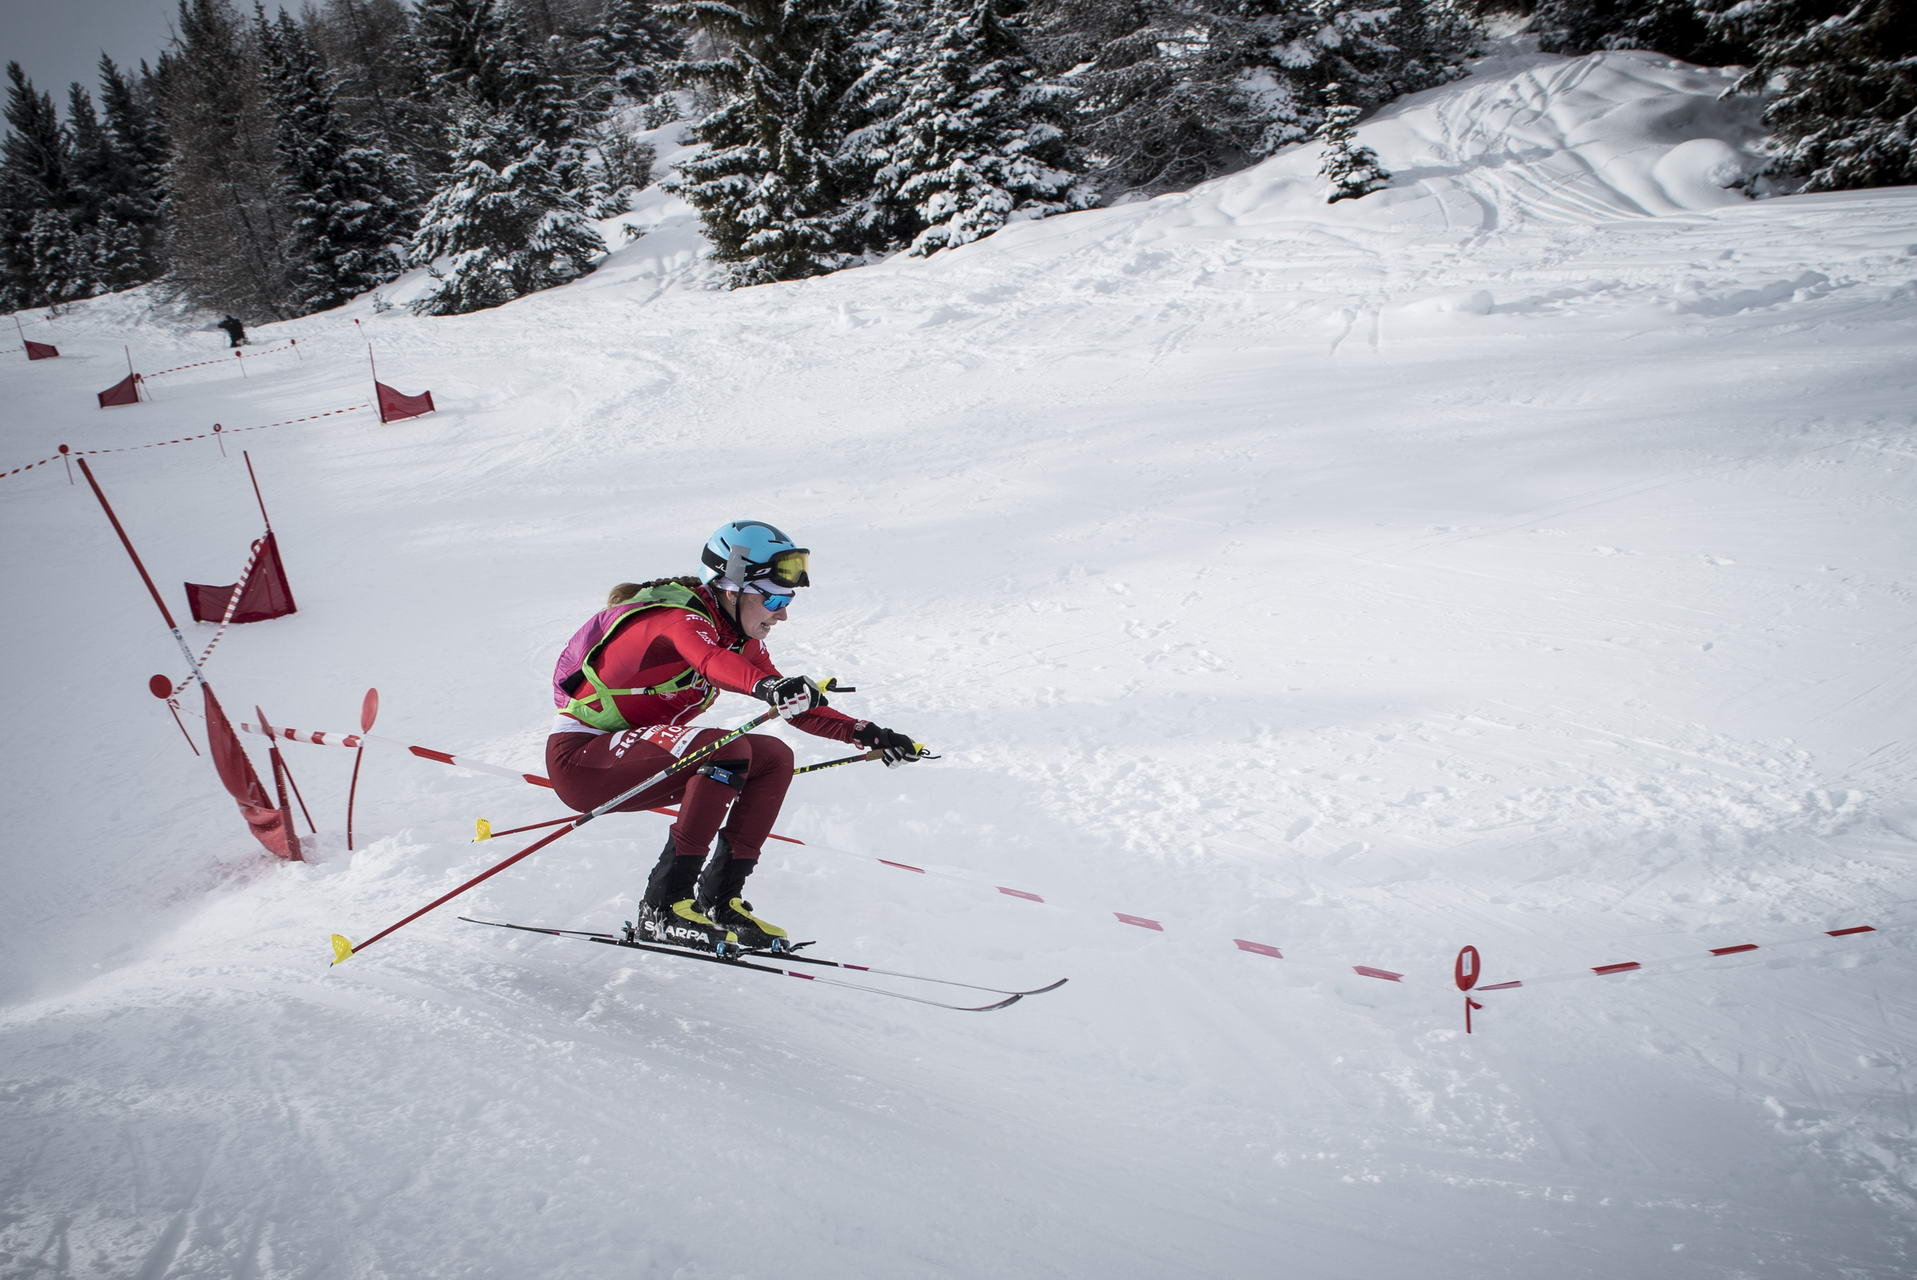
[234, 330]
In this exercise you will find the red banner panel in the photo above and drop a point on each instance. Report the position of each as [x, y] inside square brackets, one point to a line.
[270, 826]
[125, 391]
[394, 405]
[267, 594]
[40, 350]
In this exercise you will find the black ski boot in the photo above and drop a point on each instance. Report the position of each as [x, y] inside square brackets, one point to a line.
[667, 914]
[718, 898]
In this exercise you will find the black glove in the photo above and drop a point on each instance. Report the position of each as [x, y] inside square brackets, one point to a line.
[893, 747]
[789, 695]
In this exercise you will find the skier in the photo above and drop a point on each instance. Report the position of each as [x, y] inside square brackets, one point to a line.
[235, 331]
[628, 686]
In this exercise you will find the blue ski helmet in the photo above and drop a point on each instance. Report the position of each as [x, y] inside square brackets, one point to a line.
[752, 551]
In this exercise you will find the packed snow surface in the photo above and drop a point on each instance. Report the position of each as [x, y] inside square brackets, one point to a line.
[1521, 557]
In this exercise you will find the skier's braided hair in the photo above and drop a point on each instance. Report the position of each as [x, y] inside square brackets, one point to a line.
[627, 590]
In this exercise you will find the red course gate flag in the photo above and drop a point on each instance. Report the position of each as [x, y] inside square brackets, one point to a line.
[270, 826]
[125, 391]
[394, 405]
[267, 594]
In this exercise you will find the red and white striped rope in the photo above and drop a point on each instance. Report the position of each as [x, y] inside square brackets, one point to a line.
[329, 413]
[30, 466]
[226, 619]
[288, 345]
[197, 364]
[1148, 923]
[132, 448]
[1122, 917]
[1712, 953]
[217, 430]
[445, 757]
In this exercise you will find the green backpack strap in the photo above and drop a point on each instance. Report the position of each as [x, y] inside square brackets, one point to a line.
[667, 595]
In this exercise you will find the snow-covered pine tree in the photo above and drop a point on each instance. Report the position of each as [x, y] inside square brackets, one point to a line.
[1373, 53]
[463, 43]
[624, 53]
[529, 84]
[382, 86]
[1157, 85]
[35, 163]
[229, 217]
[503, 226]
[1352, 170]
[89, 165]
[778, 190]
[1175, 91]
[977, 140]
[891, 53]
[347, 216]
[1380, 52]
[108, 248]
[1675, 27]
[62, 256]
[532, 91]
[481, 51]
[1842, 80]
[136, 192]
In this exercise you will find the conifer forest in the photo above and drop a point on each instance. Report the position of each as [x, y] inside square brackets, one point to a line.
[274, 164]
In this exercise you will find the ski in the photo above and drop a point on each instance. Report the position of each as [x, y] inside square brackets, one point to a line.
[915, 977]
[740, 962]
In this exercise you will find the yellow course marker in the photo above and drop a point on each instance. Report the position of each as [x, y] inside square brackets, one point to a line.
[342, 947]
[485, 831]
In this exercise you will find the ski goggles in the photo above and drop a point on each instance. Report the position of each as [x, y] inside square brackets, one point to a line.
[787, 569]
[772, 600]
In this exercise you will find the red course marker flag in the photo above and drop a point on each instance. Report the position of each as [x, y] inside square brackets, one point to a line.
[125, 391]
[395, 405]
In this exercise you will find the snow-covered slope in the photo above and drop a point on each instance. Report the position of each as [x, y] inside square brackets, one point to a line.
[1520, 557]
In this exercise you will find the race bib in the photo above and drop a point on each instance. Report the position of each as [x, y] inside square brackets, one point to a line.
[673, 739]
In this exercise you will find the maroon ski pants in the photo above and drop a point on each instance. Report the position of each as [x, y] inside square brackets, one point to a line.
[588, 769]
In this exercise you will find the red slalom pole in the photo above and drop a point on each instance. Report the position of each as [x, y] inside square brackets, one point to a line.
[162, 688]
[279, 762]
[368, 711]
[280, 778]
[248, 455]
[145, 577]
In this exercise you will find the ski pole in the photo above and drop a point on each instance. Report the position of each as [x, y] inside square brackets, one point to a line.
[486, 832]
[924, 753]
[343, 947]
[833, 764]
